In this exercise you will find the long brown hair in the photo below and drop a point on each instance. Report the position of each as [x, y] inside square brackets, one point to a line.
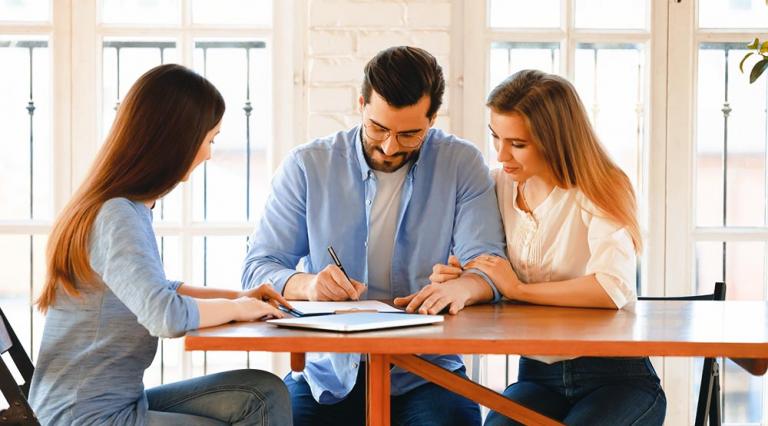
[561, 130]
[156, 134]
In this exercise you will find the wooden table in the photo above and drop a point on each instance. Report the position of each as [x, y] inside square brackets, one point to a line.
[661, 328]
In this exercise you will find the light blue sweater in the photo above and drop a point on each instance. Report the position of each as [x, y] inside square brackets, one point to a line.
[96, 347]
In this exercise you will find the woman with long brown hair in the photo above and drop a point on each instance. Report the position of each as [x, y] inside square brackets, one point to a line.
[106, 295]
[572, 234]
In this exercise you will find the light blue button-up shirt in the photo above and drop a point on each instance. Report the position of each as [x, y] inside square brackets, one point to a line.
[322, 195]
[97, 345]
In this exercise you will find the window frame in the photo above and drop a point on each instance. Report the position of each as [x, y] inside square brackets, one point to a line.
[682, 231]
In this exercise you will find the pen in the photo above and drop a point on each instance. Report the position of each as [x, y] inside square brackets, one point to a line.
[337, 261]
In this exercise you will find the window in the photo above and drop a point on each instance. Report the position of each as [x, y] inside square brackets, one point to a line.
[28, 172]
[729, 213]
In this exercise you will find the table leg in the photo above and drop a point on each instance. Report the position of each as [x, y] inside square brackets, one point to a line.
[297, 361]
[377, 395]
[469, 389]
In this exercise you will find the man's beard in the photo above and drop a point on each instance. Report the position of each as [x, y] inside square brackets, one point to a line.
[388, 166]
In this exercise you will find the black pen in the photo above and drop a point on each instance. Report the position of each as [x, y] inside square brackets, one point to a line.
[337, 261]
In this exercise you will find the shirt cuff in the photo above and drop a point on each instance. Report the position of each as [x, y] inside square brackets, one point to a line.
[193, 313]
[280, 278]
[496, 294]
[615, 288]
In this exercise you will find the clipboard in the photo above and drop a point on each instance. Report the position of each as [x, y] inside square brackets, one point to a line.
[360, 321]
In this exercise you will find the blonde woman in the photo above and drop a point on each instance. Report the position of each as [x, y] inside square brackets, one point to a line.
[570, 221]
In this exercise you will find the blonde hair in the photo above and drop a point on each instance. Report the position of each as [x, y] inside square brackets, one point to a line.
[562, 132]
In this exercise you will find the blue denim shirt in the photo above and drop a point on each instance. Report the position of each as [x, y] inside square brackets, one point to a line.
[97, 345]
[322, 195]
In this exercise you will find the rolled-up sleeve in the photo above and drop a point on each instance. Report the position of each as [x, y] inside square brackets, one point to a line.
[280, 239]
[612, 258]
[126, 257]
[477, 224]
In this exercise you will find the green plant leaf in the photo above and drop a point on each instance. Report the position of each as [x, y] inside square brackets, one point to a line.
[741, 64]
[764, 47]
[755, 43]
[758, 70]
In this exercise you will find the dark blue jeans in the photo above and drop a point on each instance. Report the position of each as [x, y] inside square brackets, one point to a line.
[589, 391]
[426, 405]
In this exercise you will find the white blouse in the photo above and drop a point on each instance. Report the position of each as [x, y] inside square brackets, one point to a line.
[564, 238]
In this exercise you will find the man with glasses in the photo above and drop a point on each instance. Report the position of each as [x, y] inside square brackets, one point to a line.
[394, 197]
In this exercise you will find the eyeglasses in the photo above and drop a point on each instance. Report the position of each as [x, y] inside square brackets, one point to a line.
[379, 134]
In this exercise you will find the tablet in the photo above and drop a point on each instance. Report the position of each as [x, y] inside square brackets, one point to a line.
[361, 321]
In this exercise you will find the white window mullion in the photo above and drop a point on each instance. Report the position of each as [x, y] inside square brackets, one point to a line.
[655, 183]
[568, 44]
[679, 201]
[86, 79]
[655, 246]
[730, 234]
[61, 43]
[288, 70]
[456, 62]
[185, 49]
[475, 72]
[554, 35]
[29, 227]
[681, 94]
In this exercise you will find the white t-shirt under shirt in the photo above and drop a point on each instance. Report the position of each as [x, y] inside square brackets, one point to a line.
[566, 237]
[382, 229]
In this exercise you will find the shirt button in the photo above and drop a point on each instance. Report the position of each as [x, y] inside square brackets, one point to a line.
[366, 243]
[354, 365]
[368, 202]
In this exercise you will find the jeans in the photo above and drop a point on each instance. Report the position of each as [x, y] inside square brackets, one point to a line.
[242, 397]
[589, 391]
[426, 405]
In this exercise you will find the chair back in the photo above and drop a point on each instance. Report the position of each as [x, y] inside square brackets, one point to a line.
[718, 294]
[18, 412]
[708, 406]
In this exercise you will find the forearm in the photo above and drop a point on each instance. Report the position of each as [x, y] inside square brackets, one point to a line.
[296, 288]
[479, 290]
[216, 311]
[583, 292]
[206, 292]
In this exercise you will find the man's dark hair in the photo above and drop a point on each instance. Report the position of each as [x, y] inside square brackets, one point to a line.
[402, 75]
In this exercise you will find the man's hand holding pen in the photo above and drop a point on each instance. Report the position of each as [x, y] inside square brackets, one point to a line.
[332, 284]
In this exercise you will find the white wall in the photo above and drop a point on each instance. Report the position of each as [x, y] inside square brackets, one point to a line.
[342, 35]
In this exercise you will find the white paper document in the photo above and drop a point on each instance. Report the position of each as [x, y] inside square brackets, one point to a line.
[360, 321]
[304, 308]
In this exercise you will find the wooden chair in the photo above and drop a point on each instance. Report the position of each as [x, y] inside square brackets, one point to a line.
[709, 391]
[19, 412]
